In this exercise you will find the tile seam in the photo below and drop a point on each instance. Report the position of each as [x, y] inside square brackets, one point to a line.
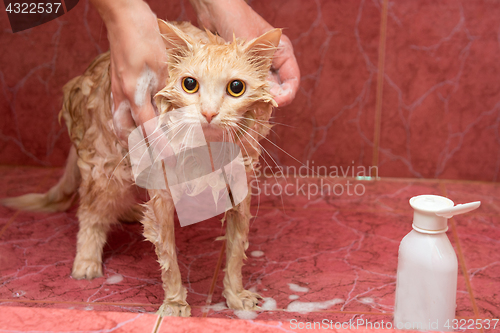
[461, 260]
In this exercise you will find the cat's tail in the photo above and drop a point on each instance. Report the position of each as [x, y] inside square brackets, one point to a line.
[58, 198]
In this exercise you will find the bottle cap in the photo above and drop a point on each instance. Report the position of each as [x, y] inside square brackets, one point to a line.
[431, 212]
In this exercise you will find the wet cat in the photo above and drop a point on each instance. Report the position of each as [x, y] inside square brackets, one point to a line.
[227, 81]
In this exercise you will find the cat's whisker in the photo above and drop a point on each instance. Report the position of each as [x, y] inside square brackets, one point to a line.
[139, 145]
[152, 144]
[276, 146]
[257, 142]
[167, 144]
[265, 124]
[262, 147]
[254, 173]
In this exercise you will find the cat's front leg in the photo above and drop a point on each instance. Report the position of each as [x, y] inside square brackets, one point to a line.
[238, 221]
[158, 224]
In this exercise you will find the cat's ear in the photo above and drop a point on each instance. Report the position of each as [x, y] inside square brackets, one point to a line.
[264, 46]
[173, 37]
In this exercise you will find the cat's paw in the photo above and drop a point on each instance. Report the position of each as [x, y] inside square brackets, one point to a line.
[86, 269]
[181, 309]
[245, 300]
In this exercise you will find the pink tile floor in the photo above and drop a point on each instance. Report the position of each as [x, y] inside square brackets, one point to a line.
[337, 249]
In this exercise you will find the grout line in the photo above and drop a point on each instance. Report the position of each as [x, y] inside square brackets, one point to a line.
[158, 323]
[380, 83]
[35, 301]
[461, 260]
[392, 179]
[214, 278]
[157, 326]
[389, 179]
[362, 210]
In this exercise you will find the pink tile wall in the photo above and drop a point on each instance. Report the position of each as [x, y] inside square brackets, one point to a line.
[439, 100]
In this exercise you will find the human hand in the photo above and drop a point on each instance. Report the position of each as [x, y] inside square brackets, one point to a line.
[228, 16]
[285, 73]
[138, 62]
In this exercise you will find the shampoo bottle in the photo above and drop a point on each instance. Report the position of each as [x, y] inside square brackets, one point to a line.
[426, 286]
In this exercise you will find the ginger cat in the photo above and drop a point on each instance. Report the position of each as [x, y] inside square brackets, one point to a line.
[229, 78]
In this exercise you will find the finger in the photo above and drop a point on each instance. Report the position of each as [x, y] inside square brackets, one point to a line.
[123, 123]
[286, 73]
[289, 71]
[140, 94]
[285, 83]
[285, 93]
[284, 53]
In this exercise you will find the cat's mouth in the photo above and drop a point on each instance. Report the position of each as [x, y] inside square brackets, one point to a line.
[214, 133]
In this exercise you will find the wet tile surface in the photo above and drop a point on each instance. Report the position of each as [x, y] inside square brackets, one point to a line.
[330, 257]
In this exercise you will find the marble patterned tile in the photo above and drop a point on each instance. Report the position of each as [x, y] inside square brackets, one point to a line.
[487, 193]
[84, 306]
[340, 253]
[440, 102]
[37, 257]
[479, 236]
[331, 119]
[341, 258]
[17, 319]
[339, 194]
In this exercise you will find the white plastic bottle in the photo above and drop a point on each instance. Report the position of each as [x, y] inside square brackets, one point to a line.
[426, 286]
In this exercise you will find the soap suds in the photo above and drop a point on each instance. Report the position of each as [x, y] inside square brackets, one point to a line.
[297, 288]
[306, 307]
[18, 293]
[145, 84]
[119, 116]
[244, 314]
[117, 278]
[216, 307]
[366, 300]
[293, 297]
[257, 254]
[269, 304]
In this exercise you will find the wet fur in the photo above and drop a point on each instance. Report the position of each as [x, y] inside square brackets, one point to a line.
[99, 170]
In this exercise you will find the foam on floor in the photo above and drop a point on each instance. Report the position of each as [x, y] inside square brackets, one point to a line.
[306, 307]
[297, 288]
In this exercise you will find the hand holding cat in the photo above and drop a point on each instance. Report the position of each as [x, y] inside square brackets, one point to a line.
[138, 58]
[235, 16]
[285, 73]
[138, 62]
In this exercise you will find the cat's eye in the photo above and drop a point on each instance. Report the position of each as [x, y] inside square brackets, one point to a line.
[190, 85]
[236, 88]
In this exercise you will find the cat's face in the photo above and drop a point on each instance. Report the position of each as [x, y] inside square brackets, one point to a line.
[226, 82]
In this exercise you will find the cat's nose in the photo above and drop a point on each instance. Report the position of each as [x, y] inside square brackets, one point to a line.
[209, 115]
